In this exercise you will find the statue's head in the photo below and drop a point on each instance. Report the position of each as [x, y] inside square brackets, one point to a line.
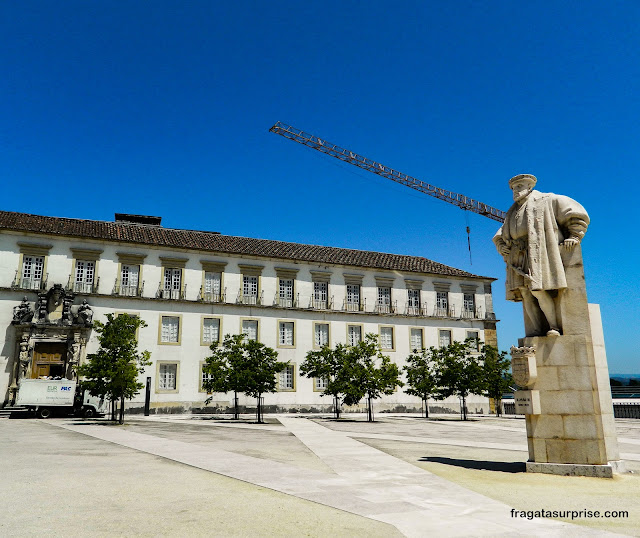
[522, 185]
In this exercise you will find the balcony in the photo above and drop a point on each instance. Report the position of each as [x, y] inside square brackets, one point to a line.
[82, 287]
[33, 284]
[286, 302]
[321, 304]
[386, 308]
[250, 299]
[444, 311]
[416, 311]
[175, 295]
[351, 305]
[471, 313]
[212, 297]
[128, 291]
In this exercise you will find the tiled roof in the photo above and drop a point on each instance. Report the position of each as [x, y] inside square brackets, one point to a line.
[224, 244]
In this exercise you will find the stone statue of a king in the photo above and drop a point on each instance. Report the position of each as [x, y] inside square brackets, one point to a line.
[537, 227]
[561, 364]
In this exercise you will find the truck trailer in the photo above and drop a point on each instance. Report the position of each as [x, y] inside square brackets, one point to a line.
[46, 396]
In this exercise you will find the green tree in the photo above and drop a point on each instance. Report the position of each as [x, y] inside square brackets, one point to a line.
[422, 379]
[459, 372]
[497, 379]
[367, 373]
[224, 368]
[242, 366]
[113, 370]
[261, 373]
[326, 363]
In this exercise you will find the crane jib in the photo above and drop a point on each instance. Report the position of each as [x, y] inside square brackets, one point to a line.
[350, 157]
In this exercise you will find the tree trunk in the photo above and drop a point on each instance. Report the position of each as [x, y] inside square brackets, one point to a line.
[426, 408]
[259, 410]
[113, 409]
[236, 415]
[122, 410]
[370, 409]
[464, 408]
[336, 407]
[498, 407]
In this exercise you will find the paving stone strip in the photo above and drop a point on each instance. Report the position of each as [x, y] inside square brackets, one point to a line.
[367, 482]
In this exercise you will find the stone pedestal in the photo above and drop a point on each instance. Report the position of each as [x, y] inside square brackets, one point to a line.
[574, 432]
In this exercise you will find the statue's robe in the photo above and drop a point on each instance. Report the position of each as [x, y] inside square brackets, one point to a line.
[550, 219]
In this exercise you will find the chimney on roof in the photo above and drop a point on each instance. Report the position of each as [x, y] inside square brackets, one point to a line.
[147, 220]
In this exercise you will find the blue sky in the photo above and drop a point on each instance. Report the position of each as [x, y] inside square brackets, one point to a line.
[163, 108]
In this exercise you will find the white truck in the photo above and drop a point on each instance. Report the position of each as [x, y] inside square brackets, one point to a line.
[45, 396]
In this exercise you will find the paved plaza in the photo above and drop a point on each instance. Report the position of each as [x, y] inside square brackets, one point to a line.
[179, 475]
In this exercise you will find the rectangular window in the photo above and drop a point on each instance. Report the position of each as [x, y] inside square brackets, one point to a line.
[167, 376]
[354, 334]
[444, 338]
[212, 287]
[210, 330]
[172, 283]
[320, 295]
[469, 305]
[32, 269]
[286, 378]
[129, 278]
[250, 328]
[320, 383]
[205, 377]
[353, 297]
[413, 298]
[285, 297]
[249, 289]
[321, 337]
[384, 295]
[170, 332]
[442, 303]
[386, 337]
[476, 337]
[85, 271]
[285, 331]
[416, 340]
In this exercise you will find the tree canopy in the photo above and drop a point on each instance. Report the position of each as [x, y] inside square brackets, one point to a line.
[422, 378]
[496, 377]
[113, 370]
[242, 366]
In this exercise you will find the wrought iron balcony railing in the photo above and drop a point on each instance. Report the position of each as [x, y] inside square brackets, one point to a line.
[386, 308]
[250, 299]
[416, 310]
[444, 312]
[213, 297]
[352, 306]
[470, 313]
[83, 287]
[321, 304]
[286, 302]
[164, 293]
[34, 284]
[128, 291]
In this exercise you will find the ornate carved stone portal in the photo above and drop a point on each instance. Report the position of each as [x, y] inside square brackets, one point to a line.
[51, 336]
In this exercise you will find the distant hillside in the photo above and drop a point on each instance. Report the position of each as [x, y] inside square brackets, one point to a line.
[625, 379]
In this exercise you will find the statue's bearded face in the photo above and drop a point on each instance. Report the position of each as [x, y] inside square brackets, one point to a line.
[521, 190]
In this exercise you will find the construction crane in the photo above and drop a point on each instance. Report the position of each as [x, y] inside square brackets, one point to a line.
[350, 157]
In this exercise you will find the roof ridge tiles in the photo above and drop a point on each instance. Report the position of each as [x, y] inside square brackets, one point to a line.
[214, 241]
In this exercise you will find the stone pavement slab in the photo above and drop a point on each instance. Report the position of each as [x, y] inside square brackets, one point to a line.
[366, 482]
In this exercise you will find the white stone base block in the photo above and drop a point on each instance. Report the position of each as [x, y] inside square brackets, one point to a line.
[574, 469]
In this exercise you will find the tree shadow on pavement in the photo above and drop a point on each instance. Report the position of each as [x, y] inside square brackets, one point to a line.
[502, 466]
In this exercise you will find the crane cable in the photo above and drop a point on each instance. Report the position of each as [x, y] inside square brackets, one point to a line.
[466, 216]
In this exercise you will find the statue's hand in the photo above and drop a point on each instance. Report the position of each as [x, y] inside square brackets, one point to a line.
[504, 249]
[570, 243]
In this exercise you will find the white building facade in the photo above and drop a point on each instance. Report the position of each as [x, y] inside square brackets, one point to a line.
[192, 288]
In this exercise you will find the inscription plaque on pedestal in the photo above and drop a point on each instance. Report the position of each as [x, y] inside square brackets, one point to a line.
[527, 402]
